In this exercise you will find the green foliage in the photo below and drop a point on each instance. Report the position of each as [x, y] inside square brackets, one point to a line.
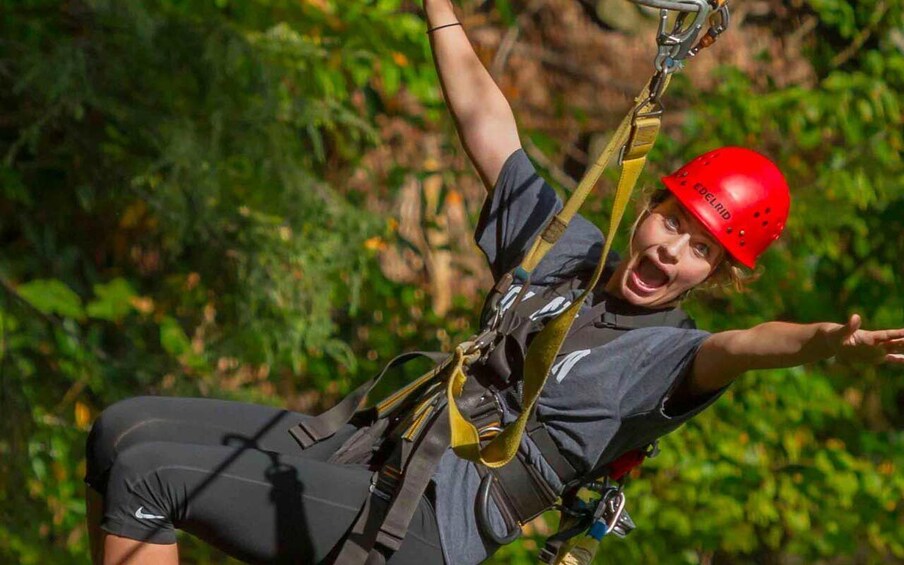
[51, 296]
[177, 219]
[169, 207]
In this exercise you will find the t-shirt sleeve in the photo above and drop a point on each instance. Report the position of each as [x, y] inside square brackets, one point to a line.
[665, 356]
[656, 360]
[516, 212]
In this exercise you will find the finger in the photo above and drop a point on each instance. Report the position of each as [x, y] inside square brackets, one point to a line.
[853, 324]
[844, 332]
[891, 335]
[895, 358]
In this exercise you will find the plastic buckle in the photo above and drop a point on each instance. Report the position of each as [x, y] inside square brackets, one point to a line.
[547, 555]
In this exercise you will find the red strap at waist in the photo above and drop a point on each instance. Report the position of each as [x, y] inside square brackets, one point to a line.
[624, 464]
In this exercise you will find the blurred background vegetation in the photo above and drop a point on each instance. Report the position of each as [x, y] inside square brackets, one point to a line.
[264, 200]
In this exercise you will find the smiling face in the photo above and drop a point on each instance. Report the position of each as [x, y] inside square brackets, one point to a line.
[671, 252]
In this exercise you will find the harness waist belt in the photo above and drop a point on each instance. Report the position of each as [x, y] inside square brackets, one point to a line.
[524, 492]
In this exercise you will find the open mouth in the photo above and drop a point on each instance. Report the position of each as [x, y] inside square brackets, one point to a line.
[647, 277]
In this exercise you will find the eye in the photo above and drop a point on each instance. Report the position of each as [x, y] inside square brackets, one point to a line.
[702, 249]
[671, 222]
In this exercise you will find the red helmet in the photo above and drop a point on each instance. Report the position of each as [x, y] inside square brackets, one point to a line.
[739, 195]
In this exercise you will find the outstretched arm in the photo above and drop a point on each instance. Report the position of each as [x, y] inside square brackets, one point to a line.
[483, 117]
[725, 356]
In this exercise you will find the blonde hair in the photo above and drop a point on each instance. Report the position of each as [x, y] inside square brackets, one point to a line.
[728, 273]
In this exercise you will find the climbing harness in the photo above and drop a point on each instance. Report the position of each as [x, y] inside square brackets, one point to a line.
[457, 403]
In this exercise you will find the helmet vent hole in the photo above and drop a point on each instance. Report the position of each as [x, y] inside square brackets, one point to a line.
[742, 244]
[729, 230]
[756, 214]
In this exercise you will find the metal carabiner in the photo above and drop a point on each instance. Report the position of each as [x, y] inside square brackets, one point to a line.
[619, 506]
[722, 18]
[674, 45]
[674, 5]
[483, 515]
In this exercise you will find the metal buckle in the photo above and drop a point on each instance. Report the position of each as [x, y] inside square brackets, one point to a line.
[495, 430]
[379, 493]
[624, 526]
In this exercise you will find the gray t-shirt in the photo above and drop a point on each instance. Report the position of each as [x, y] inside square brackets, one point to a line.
[597, 403]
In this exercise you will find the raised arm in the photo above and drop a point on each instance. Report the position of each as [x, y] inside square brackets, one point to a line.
[725, 356]
[482, 115]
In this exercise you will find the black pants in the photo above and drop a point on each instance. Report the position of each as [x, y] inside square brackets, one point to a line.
[230, 474]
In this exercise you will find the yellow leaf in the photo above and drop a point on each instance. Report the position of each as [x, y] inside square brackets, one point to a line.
[192, 280]
[143, 304]
[82, 414]
[400, 59]
[375, 243]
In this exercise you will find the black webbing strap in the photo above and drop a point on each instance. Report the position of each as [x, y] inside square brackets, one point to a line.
[526, 493]
[618, 313]
[356, 547]
[416, 476]
[371, 539]
[313, 430]
[550, 450]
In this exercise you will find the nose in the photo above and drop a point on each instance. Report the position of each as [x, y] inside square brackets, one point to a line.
[672, 249]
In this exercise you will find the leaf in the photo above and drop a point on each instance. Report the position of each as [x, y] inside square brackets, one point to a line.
[173, 338]
[52, 296]
[82, 415]
[113, 302]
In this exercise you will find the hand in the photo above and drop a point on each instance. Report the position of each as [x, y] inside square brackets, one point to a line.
[851, 344]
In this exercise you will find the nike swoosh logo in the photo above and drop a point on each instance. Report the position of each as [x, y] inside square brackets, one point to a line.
[140, 514]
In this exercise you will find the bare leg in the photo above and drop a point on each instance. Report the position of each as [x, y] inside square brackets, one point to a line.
[125, 551]
[94, 505]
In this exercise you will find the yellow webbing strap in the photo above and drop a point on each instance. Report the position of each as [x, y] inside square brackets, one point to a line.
[645, 131]
[640, 133]
[465, 438]
[396, 398]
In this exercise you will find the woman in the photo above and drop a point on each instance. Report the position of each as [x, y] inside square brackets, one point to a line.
[230, 473]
